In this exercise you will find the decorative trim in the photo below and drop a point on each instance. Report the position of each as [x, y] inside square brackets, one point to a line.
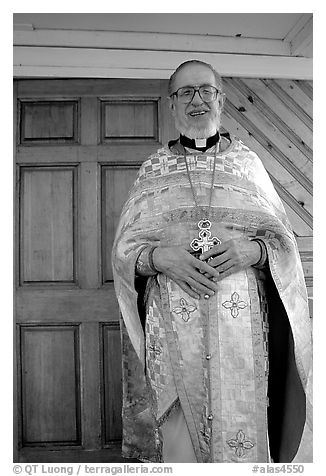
[175, 359]
[259, 357]
[213, 328]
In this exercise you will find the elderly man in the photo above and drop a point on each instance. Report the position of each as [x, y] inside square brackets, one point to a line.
[215, 328]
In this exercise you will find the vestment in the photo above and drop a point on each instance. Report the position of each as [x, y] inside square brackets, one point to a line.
[210, 357]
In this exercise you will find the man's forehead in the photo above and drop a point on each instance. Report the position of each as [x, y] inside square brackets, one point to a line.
[194, 74]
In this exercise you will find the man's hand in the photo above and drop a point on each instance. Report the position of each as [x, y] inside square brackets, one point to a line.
[185, 270]
[232, 256]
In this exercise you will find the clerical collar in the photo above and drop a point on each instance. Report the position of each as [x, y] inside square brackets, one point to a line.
[199, 144]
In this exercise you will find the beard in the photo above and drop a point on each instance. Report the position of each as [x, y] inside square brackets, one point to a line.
[194, 132]
[198, 132]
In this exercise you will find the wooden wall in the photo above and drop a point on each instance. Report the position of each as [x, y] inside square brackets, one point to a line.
[274, 118]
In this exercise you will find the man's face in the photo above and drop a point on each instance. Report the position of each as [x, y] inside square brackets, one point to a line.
[198, 119]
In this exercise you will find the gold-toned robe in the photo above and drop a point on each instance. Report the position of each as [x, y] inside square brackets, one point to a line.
[237, 365]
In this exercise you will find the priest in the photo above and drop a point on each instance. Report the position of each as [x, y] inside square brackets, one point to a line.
[216, 336]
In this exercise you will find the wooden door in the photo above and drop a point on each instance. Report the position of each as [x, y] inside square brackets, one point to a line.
[79, 145]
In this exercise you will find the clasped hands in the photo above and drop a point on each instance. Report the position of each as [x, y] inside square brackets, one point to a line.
[199, 277]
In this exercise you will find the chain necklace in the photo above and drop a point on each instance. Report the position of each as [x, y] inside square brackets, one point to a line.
[204, 242]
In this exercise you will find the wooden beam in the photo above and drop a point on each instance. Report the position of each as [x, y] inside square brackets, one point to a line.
[302, 40]
[301, 36]
[305, 17]
[126, 40]
[23, 27]
[105, 63]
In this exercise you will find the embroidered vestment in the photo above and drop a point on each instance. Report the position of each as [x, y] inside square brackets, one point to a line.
[237, 364]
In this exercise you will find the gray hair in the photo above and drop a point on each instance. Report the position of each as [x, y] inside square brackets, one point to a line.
[218, 78]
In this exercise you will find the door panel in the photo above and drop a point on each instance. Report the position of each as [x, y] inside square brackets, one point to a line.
[50, 381]
[130, 119]
[112, 382]
[49, 121]
[116, 183]
[47, 221]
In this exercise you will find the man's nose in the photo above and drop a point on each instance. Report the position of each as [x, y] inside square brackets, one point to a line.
[196, 98]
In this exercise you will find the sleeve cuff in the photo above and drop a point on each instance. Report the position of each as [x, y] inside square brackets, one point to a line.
[261, 263]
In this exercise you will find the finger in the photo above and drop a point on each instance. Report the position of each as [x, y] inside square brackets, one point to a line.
[222, 268]
[205, 281]
[209, 276]
[233, 269]
[200, 288]
[220, 260]
[215, 250]
[204, 267]
[215, 279]
[185, 287]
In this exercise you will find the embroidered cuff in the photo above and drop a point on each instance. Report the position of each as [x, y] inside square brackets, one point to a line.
[263, 254]
[144, 263]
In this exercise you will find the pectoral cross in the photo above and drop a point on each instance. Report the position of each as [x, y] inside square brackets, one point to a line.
[205, 242]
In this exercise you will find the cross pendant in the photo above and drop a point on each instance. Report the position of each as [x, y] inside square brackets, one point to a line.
[205, 242]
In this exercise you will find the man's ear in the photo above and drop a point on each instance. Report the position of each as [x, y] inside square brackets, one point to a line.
[171, 105]
[221, 98]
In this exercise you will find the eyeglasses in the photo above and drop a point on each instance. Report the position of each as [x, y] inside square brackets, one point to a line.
[186, 94]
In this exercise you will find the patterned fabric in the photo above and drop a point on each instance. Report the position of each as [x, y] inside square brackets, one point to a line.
[211, 357]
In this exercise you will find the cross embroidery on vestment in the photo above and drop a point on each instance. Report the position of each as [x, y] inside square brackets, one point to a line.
[185, 309]
[240, 444]
[234, 304]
